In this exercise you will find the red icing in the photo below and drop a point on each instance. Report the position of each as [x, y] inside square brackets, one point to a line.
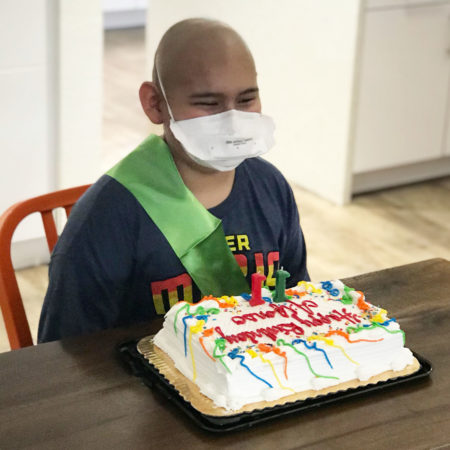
[270, 332]
[314, 319]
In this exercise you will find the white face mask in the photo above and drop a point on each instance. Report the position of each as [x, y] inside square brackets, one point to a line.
[222, 141]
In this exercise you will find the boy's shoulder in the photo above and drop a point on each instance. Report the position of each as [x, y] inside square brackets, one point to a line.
[266, 178]
[264, 173]
[105, 198]
[263, 167]
[105, 207]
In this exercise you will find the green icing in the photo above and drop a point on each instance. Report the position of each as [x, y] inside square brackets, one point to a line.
[282, 342]
[199, 311]
[221, 345]
[371, 327]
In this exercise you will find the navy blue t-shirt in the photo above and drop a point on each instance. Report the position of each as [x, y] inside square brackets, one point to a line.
[112, 266]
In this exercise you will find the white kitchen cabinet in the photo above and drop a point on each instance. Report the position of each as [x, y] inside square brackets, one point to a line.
[402, 100]
[124, 13]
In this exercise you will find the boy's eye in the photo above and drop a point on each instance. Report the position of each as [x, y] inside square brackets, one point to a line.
[205, 103]
[246, 100]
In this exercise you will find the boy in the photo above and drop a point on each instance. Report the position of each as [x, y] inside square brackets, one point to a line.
[192, 213]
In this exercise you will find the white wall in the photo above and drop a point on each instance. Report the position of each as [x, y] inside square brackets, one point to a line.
[79, 68]
[305, 53]
[50, 107]
[24, 107]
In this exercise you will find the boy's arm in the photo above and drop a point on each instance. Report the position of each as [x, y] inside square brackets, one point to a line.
[80, 299]
[90, 268]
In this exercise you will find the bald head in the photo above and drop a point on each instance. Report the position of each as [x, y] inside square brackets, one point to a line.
[205, 68]
[196, 48]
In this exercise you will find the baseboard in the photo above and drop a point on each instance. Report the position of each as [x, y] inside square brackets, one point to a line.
[29, 253]
[113, 20]
[397, 176]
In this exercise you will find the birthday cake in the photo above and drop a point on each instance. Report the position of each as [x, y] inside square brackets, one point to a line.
[251, 351]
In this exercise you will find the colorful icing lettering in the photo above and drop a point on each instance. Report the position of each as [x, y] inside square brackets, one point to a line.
[291, 310]
[270, 332]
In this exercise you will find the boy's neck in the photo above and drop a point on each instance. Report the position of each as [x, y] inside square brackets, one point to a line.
[210, 187]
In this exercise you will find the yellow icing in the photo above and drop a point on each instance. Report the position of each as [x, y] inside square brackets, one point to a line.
[193, 330]
[331, 343]
[378, 316]
[307, 285]
[274, 373]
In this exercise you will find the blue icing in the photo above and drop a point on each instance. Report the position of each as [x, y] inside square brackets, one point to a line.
[234, 354]
[312, 347]
[184, 333]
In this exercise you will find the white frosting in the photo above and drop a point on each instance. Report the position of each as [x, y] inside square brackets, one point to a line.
[231, 385]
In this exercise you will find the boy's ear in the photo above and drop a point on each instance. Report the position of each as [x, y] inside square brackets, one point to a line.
[151, 101]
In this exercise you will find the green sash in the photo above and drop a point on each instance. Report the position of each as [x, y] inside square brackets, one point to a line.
[195, 235]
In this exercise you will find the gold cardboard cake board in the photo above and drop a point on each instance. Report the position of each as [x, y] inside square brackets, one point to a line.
[191, 393]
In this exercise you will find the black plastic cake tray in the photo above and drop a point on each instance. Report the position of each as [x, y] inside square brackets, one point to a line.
[151, 377]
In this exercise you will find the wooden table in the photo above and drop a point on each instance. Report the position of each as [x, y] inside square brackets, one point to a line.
[76, 394]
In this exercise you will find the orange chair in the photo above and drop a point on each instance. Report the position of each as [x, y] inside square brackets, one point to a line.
[11, 304]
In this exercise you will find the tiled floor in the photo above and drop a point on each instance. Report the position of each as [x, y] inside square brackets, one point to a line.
[378, 230]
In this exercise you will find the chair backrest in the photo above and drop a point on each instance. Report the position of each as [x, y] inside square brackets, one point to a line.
[11, 304]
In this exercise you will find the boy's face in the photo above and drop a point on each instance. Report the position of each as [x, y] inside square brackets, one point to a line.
[209, 73]
[211, 80]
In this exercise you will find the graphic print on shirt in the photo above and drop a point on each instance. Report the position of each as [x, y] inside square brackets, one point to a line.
[166, 293]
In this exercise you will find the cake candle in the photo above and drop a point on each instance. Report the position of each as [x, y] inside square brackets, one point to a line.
[280, 286]
[257, 279]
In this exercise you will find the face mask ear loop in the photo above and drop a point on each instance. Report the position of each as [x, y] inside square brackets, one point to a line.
[164, 93]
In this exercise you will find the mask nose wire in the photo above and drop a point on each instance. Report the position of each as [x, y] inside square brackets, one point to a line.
[164, 93]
